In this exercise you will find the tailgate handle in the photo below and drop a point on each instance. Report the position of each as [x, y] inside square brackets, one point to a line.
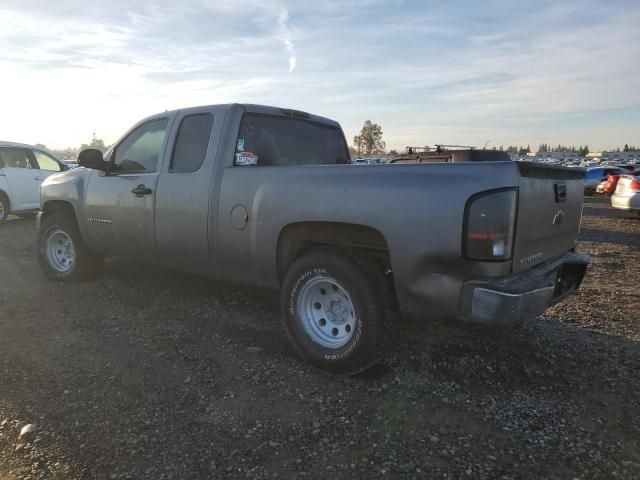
[561, 192]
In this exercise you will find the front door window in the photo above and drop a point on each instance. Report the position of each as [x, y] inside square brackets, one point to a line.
[46, 162]
[140, 150]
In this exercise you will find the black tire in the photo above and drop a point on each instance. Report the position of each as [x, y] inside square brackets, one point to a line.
[370, 294]
[85, 266]
[5, 207]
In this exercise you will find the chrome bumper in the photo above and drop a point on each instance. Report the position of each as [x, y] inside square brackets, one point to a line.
[523, 295]
[490, 306]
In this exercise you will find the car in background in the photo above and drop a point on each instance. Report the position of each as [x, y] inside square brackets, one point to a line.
[71, 163]
[595, 175]
[22, 170]
[627, 194]
[608, 187]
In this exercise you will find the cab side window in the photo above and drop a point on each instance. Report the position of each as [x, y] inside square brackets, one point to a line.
[13, 157]
[46, 162]
[191, 143]
[141, 149]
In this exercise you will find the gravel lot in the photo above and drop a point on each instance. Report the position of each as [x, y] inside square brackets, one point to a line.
[149, 373]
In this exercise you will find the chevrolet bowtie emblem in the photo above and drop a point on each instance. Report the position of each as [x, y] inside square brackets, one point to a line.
[557, 218]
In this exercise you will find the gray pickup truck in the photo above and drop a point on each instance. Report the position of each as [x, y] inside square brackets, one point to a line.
[267, 196]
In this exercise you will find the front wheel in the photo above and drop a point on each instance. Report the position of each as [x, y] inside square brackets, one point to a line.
[62, 254]
[4, 208]
[335, 309]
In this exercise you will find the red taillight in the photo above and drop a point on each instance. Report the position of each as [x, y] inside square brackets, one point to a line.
[489, 225]
[635, 185]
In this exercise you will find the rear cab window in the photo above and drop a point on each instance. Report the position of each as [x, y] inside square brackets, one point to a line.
[191, 143]
[267, 140]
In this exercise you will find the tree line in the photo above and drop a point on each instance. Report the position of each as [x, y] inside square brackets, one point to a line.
[369, 142]
[72, 152]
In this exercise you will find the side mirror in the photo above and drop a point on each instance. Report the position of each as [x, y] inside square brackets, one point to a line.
[92, 158]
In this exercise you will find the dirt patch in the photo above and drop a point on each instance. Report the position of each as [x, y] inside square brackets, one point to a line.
[151, 373]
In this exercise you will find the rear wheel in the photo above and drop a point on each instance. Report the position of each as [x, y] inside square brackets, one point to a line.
[62, 254]
[335, 308]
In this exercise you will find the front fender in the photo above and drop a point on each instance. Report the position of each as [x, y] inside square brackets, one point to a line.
[68, 187]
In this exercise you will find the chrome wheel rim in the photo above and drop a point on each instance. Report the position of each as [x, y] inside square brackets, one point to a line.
[327, 312]
[61, 253]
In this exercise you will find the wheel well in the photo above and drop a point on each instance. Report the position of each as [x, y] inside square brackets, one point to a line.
[4, 195]
[299, 237]
[55, 206]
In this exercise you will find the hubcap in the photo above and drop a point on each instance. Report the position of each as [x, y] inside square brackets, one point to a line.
[3, 211]
[327, 312]
[61, 253]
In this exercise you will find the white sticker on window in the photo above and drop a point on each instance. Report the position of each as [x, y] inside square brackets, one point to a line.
[246, 158]
[240, 146]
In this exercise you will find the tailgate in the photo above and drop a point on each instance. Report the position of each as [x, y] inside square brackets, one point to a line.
[549, 213]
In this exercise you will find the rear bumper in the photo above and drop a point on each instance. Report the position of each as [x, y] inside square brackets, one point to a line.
[631, 202]
[523, 295]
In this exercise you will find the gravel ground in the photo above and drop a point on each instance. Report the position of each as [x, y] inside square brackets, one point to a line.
[149, 373]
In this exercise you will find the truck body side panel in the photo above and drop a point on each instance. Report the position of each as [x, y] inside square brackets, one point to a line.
[412, 206]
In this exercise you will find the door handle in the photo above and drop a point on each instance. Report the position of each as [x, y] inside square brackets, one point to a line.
[39, 179]
[141, 190]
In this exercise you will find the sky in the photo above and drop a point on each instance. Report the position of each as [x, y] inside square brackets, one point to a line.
[454, 72]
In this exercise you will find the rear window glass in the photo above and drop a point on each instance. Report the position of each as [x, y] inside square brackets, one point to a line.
[191, 143]
[270, 140]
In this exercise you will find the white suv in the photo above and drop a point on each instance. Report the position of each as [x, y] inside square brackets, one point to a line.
[22, 170]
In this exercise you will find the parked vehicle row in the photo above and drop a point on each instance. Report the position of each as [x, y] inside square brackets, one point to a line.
[608, 186]
[22, 169]
[596, 175]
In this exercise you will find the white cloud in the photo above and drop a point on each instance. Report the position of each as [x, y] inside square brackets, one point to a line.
[427, 71]
[285, 36]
